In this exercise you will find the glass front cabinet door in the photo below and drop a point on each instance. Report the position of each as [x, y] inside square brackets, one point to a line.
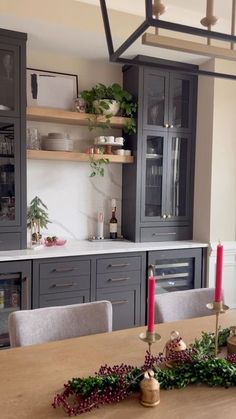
[15, 293]
[12, 140]
[9, 80]
[9, 167]
[167, 100]
[166, 178]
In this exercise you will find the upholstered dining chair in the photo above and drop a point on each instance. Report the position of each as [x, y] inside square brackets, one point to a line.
[179, 305]
[28, 327]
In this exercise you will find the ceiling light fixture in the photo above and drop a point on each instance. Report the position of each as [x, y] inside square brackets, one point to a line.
[153, 11]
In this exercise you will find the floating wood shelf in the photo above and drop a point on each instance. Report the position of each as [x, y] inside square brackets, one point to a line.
[66, 117]
[73, 156]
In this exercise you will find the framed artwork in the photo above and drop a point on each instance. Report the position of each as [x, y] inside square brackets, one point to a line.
[51, 89]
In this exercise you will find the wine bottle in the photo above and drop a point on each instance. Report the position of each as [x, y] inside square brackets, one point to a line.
[113, 221]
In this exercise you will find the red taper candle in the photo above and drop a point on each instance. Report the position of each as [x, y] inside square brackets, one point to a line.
[151, 304]
[219, 268]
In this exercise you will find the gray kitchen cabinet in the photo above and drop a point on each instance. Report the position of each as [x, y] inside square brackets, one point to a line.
[121, 279]
[12, 140]
[61, 281]
[157, 199]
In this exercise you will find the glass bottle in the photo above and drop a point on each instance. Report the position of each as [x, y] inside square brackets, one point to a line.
[113, 222]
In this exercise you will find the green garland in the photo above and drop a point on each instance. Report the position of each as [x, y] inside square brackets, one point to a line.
[111, 384]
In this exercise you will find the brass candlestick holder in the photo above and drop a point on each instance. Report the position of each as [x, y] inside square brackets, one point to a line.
[150, 338]
[218, 307]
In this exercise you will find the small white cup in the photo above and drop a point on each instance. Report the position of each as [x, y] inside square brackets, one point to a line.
[127, 152]
[110, 139]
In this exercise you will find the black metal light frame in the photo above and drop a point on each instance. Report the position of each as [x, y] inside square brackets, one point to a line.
[115, 56]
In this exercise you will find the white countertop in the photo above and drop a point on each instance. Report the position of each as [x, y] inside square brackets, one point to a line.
[81, 248]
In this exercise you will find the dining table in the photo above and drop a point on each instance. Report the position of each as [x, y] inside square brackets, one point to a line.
[32, 375]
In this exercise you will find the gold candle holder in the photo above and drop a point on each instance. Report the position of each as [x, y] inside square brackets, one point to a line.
[150, 338]
[218, 307]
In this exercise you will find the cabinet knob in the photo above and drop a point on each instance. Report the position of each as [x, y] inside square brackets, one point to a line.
[169, 216]
[166, 125]
[164, 216]
[171, 126]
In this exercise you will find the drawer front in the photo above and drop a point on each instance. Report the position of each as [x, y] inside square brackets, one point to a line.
[119, 264]
[156, 234]
[125, 306]
[118, 279]
[64, 284]
[65, 269]
[63, 299]
[10, 241]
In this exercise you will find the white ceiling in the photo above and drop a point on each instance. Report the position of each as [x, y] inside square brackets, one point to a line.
[55, 31]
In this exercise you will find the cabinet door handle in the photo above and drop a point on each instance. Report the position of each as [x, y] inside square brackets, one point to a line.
[166, 125]
[171, 126]
[118, 279]
[172, 265]
[118, 265]
[27, 286]
[164, 234]
[63, 270]
[67, 284]
[114, 303]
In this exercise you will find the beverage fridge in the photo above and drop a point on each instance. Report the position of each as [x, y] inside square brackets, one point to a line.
[15, 293]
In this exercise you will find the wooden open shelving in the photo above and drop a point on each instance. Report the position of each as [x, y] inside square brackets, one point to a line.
[62, 116]
[73, 156]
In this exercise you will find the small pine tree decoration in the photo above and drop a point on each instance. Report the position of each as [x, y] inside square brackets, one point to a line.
[37, 218]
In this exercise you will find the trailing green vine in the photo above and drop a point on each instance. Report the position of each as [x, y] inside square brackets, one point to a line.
[112, 384]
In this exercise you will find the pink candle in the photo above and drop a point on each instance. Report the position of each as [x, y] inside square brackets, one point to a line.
[151, 304]
[219, 267]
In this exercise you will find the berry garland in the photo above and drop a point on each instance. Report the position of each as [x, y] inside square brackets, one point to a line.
[113, 384]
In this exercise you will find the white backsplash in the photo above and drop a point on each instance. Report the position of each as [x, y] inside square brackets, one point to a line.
[72, 197]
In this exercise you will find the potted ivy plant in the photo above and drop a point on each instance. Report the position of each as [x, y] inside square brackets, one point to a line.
[37, 218]
[109, 101]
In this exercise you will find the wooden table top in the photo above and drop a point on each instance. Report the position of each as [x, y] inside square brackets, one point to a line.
[30, 376]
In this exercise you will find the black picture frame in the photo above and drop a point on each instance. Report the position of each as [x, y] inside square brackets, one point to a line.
[46, 88]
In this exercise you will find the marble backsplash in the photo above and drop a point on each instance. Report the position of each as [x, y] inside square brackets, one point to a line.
[72, 197]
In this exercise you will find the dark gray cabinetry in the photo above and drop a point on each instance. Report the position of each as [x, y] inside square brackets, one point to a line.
[121, 280]
[12, 140]
[61, 281]
[157, 195]
[176, 270]
[15, 292]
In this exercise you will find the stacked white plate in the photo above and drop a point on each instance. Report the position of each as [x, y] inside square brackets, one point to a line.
[57, 142]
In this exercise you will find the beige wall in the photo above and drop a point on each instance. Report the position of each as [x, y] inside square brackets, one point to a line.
[89, 72]
[223, 197]
[215, 175]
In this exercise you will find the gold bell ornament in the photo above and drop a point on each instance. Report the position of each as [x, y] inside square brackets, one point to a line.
[231, 341]
[150, 390]
[174, 345]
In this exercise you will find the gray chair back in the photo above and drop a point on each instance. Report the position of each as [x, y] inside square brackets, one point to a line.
[29, 327]
[178, 305]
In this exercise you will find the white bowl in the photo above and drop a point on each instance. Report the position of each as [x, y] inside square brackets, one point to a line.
[113, 109]
[59, 144]
[127, 152]
[119, 152]
[56, 135]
